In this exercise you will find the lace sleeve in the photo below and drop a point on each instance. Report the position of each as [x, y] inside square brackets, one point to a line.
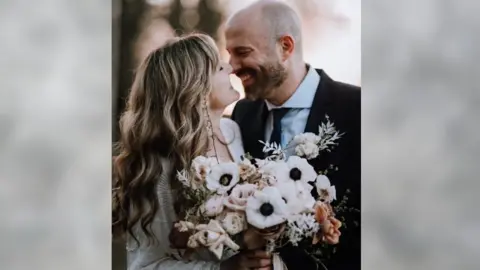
[156, 256]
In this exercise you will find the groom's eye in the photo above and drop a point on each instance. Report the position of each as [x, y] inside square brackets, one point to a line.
[242, 51]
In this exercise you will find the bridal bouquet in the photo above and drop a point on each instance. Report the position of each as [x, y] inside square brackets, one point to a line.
[271, 195]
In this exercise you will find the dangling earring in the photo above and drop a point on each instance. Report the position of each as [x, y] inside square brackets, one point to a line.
[209, 127]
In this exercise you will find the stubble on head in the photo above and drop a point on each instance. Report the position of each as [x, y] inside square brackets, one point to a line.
[263, 24]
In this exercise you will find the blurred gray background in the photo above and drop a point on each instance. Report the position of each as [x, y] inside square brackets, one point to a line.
[420, 141]
[420, 136]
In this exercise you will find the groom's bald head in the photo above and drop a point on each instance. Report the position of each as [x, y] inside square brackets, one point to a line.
[268, 20]
[263, 39]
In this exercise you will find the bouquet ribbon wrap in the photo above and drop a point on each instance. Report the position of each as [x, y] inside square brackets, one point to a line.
[278, 263]
[271, 235]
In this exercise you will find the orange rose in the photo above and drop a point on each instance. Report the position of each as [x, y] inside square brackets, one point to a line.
[329, 231]
[322, 212]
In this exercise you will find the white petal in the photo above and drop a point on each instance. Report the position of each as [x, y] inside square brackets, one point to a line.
[254, 203]
[293, 161]
[271, 193]
[298, 196]
[277, 169]
[212, 184]
[287, 189]
[322, 182]
[333, 192]
[303, 187]
[309, 202]
[254, 217]
[273, 220]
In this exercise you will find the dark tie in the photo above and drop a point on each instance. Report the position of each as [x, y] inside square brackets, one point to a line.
[278, 114]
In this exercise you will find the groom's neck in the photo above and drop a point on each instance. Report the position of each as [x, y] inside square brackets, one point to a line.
[287, 89]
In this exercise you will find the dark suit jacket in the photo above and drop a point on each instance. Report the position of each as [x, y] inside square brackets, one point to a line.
[341, 102]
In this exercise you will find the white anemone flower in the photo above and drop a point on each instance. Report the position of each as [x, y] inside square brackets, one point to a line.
[223, 177]
[266, 208]
[298, 200]
[326, 192]
[300, 172]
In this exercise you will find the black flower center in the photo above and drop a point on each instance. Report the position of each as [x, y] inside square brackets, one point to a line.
[225, 179]
[266, 209]
[295, 174]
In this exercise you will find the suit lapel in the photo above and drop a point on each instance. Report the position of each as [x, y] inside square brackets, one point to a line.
[256, 130]
[321, 104]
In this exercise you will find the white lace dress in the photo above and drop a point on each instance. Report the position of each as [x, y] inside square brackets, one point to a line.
[156, 256]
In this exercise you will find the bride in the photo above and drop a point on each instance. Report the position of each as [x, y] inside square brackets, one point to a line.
[174, 113]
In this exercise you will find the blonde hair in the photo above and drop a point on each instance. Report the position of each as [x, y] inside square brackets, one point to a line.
[164, 118]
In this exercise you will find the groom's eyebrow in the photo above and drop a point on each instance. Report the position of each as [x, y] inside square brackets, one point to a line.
[240, 48]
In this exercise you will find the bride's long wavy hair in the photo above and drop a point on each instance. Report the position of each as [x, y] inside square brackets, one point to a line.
[164, 118]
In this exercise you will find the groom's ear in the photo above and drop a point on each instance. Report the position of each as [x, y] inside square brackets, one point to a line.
[287, 44]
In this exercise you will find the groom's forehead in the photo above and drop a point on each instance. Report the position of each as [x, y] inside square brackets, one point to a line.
[241, 36]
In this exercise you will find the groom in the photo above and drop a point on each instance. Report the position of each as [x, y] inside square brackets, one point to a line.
[285, 96]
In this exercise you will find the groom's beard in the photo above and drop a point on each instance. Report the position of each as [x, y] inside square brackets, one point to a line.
[266, 80]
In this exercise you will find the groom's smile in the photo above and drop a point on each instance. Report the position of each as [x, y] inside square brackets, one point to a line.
[247, 77]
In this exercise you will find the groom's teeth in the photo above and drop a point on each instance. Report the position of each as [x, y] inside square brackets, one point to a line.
[245, 77]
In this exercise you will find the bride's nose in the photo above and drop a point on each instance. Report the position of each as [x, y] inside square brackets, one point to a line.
[229, 68]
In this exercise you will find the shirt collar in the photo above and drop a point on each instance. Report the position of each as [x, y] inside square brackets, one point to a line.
[303, 96]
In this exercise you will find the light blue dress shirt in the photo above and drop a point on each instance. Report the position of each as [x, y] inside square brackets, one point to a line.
[294, 122]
